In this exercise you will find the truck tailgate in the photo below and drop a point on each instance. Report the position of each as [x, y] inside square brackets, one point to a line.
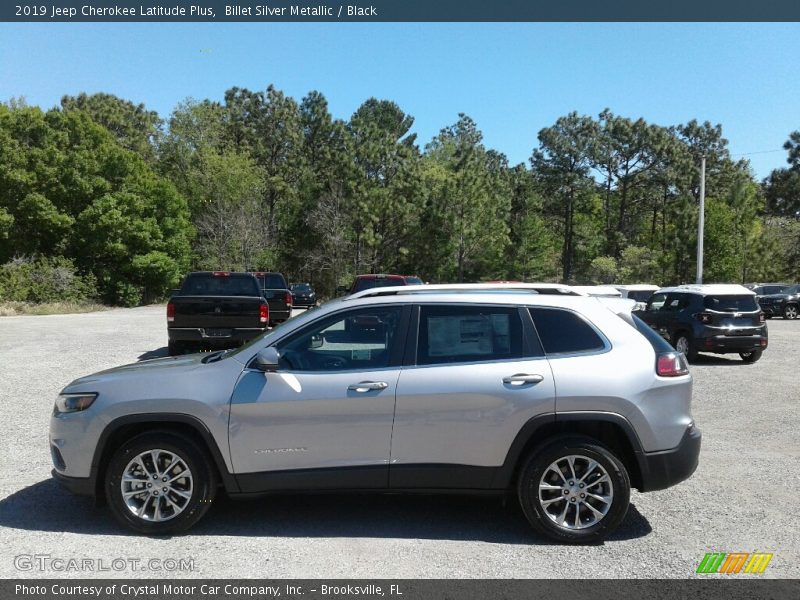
[217, 311]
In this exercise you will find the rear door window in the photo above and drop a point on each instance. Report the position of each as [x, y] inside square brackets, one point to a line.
[730, 303]
[565, 332]
[457, 334]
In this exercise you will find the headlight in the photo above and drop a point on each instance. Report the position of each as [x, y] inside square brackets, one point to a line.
[68, 403]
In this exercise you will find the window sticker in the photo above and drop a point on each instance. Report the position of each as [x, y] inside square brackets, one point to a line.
[360, 354]
[468, 335]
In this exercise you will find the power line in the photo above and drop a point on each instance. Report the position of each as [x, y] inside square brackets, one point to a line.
[759, 152]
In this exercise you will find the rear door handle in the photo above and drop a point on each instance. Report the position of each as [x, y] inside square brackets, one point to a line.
[522, 379]
[366, 386]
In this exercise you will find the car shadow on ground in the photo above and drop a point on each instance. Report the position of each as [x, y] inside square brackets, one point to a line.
[45, 506]
[157, 353]
[727, 360]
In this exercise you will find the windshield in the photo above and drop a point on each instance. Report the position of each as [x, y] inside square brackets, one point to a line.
[730, 303]
[207, 284]
[414, 281]
[301, 287]
[795, 289]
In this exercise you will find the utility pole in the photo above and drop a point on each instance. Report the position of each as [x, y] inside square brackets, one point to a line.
[701, 220]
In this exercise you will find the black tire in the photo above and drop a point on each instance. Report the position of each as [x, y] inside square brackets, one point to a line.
[175, 348]
[691, 353]
[790, 312]
[750, 357]
[539, 462]
[198, 461]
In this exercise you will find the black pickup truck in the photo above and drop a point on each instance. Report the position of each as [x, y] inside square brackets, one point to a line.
[215, 309]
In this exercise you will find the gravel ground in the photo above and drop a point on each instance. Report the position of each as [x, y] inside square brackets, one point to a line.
[743, 497]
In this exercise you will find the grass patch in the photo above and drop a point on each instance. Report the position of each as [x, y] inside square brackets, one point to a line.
[11, 309]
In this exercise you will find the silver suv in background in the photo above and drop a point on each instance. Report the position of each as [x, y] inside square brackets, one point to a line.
[493, 388]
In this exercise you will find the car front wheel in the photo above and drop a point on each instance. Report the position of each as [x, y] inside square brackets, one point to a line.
[790, 312]
[160, 483]
[574, 490]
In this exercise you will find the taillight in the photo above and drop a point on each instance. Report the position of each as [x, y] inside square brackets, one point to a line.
[289, 298]
[671, 364]
[761, 318]
[221, 274]
[763, 342]
[704, 318]
[170, 312]
[263, 313]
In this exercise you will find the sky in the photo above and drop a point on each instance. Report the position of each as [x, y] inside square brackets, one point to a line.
[513, 79]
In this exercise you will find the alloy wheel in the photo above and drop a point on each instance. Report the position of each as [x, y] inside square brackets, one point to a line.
[576, 492]
[157, 485]
[682, 345]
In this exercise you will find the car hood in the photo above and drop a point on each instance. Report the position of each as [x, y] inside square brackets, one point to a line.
[176, 365]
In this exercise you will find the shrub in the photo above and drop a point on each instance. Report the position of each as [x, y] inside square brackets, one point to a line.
[52, 279]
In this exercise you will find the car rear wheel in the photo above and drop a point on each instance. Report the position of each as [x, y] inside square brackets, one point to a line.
[683, 343]
[574, 490]
[160, 483]
[750, 357]
[790, 312]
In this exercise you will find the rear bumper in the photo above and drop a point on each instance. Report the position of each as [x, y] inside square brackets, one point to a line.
[722, 344]
[661, 470]
[81, 486]
[198, 334]
[279, 316]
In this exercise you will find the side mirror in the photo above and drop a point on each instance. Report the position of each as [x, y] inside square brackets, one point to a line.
[267, 360]
[316, 341]
[341, 290]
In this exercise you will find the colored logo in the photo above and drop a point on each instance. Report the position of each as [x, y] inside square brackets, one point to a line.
[732, 563]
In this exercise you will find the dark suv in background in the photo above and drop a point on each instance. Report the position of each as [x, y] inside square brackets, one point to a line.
[785, 303]
[303, 294]
[372, 280]
[717, 318]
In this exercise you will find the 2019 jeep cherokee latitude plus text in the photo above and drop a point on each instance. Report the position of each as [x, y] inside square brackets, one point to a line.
[557, 398]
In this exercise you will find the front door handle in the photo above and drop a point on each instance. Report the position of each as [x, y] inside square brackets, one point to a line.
[522, 379]
[366, 386]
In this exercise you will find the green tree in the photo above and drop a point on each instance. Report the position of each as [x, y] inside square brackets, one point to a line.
[132, 125]
[562, 163]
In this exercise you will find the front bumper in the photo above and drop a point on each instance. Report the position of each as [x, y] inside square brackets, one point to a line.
[664, 469]
[772, 310]
[81, 486]
[304, 302]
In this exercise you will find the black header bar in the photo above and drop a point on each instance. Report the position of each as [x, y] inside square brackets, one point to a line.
[373, 11]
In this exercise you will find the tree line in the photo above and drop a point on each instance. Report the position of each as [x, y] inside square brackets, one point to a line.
[120, 202]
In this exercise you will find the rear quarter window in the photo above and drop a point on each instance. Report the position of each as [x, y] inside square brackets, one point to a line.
[565, 332]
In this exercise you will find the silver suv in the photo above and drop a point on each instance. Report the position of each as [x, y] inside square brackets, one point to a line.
[566, 400]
